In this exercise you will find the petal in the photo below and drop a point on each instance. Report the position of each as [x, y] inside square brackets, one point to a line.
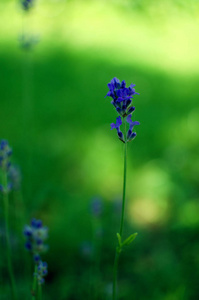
[131, 109]
[128, 119]
[116, 82]
[113, 126]
[123, 84]
[133, 135]
[118, 121]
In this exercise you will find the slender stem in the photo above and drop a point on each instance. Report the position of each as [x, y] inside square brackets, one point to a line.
[117, 252]
[8, 252]
[124, 183]
[34, 285]
[40, 291]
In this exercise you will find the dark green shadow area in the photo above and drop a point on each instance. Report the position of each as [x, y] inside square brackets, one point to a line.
[52, 112]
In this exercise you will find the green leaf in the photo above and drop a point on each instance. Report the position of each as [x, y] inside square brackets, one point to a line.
[119, 239]
[130, 239]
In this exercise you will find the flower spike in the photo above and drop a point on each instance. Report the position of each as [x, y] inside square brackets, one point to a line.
[121, 95]
[131, 135]
[117, 127]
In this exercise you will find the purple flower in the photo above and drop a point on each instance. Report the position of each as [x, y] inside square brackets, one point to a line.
[5, 164]
[5, 153]
[121, 96]
[14, 175]
[96, 207]
[86, 249]
[35, 235]
[42, 270]
[131, 135]
[122, 101]
[117, 127]
[27, 4]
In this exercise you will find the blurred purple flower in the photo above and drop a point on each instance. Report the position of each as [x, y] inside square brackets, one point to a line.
[27, 4]
[86, 249]
[42, 270]
[96, 207]
[5, 164]
[35, 235]
[14, 175]
[5, 153]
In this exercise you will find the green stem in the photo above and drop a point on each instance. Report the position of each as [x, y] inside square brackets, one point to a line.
[34, 285]
[40, 291]
[124, 183]
[118, 251]
[8, 252]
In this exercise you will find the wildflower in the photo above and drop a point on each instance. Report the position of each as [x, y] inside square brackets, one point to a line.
[27, 4]
[117, 127]
[86, 249]
[122, 101]
[6, 189]
[36, 234]
[42, 270]
[14, 175]
[130, 134]
[121, 96]
[5, 165]
[96, 206]
[5, 153]
[27, 41]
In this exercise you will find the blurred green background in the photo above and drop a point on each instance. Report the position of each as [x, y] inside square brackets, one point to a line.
[55, 117]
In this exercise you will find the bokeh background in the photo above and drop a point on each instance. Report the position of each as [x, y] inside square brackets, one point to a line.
[55, 63]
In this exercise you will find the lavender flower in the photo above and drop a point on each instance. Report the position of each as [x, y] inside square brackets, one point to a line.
[5, 165]
[5, 153]
[117, 127]
[27, 4]
[14, 175]
[27, 41]
[96, 207]
[121, 96]
[36, 234]
[131, 135]
[122, 101]
[42, 270]
[86, 249]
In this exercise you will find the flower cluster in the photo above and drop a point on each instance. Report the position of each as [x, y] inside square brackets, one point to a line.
[42, 270]
[36, 234]
[122, 101]
[96, 207]
[14, 175]
[28, 41]
[121, 96]
[5, 153]
[5, 164]
[27, 4]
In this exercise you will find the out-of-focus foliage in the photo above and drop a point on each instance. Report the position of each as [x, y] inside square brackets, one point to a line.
[55, 116]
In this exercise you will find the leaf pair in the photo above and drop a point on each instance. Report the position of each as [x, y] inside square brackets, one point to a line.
[126, 242]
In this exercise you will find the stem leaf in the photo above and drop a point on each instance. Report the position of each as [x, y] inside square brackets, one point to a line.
[129, 240]
[119, 239]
